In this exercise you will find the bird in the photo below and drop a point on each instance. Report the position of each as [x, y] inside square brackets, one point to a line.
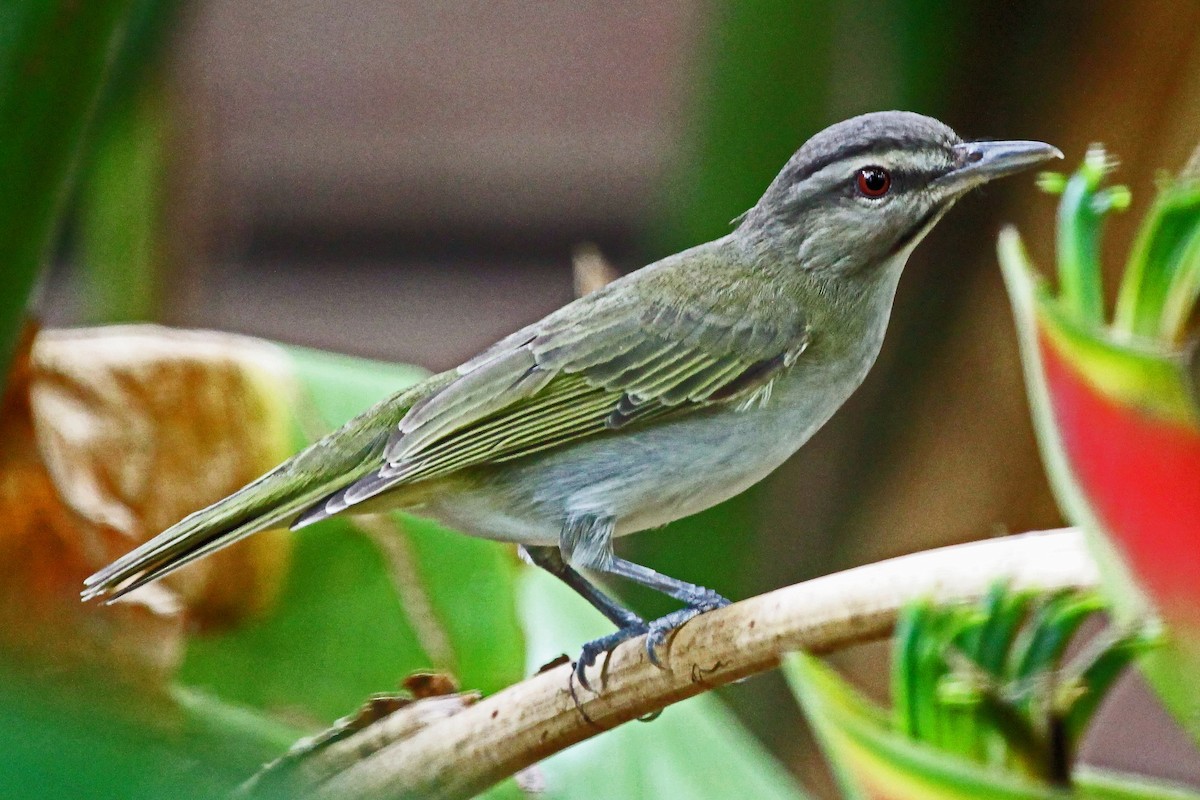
[667, 391]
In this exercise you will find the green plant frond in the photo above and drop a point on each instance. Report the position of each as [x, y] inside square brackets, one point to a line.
[1158, 256]
[868, 756]
[1081, 213]
[1183, 292]
[1055, 621]
[905, 693]
[55, 57]
[979, 685]
[1088, 678]
[1161, 282]
[1005, 611]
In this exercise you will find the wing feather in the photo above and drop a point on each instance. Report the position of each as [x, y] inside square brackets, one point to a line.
[597, 366]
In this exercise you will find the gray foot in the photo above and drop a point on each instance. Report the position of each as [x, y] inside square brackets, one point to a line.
[661, 628]
[605, 644]
[658, 631]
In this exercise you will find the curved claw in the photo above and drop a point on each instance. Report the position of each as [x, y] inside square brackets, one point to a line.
[657, 633]
[605, 644]
[661, 628]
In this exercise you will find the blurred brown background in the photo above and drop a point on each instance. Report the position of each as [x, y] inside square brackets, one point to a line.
[407, 181]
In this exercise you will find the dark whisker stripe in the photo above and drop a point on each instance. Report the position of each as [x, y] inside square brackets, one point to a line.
[907, 237]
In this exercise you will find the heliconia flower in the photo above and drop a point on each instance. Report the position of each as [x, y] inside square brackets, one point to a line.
[1115, 406]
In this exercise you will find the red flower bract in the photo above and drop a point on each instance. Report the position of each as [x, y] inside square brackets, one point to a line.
[1141, 475]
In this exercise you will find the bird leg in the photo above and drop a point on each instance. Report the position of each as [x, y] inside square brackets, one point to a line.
[587, 542]
[550, 559]
[697, 600]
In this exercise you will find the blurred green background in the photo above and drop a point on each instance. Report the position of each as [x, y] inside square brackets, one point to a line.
[406, 182]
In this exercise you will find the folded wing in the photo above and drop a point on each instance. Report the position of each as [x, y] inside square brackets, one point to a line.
[576, 375]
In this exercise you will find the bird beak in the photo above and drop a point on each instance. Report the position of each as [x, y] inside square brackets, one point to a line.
[980, 162]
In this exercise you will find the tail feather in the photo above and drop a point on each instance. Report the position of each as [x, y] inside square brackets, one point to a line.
[251, 509]
[274, 500]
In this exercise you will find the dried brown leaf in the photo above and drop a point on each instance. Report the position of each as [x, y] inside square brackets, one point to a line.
[43, 561]
[140, 425]
[430, 684]
[107, 436]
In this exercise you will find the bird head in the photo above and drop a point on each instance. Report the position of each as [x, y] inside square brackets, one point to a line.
[862, 193]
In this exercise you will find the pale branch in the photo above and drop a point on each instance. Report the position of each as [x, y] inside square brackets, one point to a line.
[460, 755]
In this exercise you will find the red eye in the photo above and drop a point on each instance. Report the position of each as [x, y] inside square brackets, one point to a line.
[873, 181]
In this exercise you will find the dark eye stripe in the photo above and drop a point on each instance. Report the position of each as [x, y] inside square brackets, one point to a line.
[903, 179]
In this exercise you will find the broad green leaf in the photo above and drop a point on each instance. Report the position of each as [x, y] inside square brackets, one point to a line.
[123, 209]
[338, 634]
[93, 739]
[693, 751]
[342, 386]
[467, 582]
[124, 245]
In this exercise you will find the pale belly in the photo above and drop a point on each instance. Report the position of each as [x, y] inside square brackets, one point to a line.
[647, 478]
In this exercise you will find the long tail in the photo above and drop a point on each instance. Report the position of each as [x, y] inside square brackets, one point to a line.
[276, 499]
[265, 503]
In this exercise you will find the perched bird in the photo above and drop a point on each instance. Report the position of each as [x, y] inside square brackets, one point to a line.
[667, 391]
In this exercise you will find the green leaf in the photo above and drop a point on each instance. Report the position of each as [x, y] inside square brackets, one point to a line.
[1081, 215]
[123, 209]
[1090, 676]
[907, 703]
[870, 760]
[55, 55]
[695, 750]
[1003, 611]
[1054, 622]
[338, 633]
[1158, 253]
[251, 736]
[124, 243]
[366, 603]
[1183, 292]
[84, 738]
[1094, 784]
